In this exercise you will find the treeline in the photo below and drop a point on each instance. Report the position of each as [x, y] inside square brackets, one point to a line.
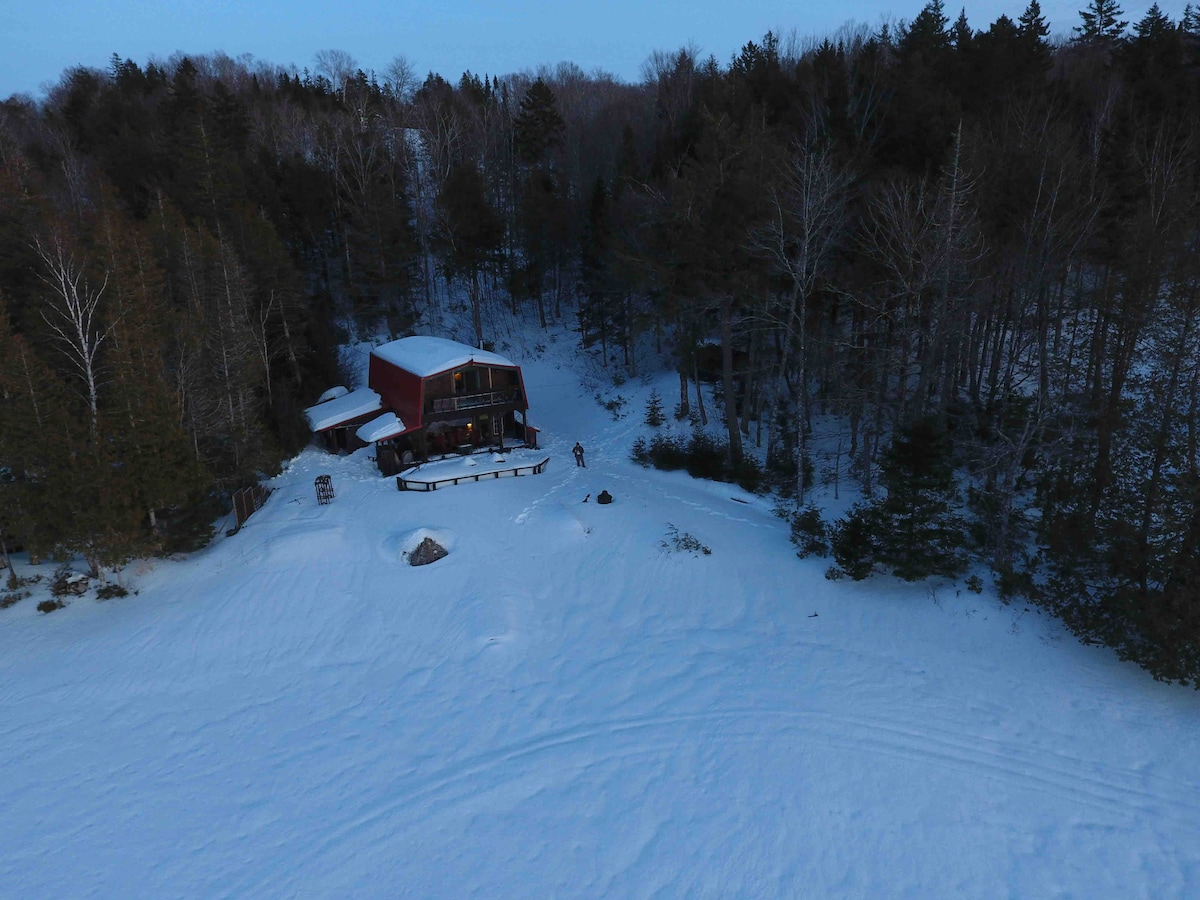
[973, 249]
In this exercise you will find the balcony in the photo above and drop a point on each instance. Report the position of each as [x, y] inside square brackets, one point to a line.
[473, 401]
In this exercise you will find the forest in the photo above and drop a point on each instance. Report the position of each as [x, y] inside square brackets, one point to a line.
[973, 250]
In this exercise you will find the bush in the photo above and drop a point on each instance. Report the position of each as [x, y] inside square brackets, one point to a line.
[809, 533]
[191, 528]
[7, 600]
[615, 406]
[668, 452]
[640, 452]
[975, 584]
[61, 585]
[682, 542]
[109, 591]
[749, 475]
[707, 458]
[702, 455]
[854, 543]
[49, 606]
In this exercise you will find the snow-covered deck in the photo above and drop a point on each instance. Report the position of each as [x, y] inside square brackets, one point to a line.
[432, 475]
[345, 408]
[425, 356]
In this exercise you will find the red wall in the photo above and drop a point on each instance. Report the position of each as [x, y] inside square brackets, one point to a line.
[400, 390]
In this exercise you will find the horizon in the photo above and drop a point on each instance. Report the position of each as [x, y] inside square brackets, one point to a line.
[455, 37]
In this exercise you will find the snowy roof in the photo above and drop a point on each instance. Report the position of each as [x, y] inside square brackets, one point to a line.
[333, 393]
[342, 409]
[427, 356]
[380, 429]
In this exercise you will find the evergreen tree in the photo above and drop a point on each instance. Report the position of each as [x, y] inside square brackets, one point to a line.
[538, 127]
[927, 37]
[919, 533]
[1102, 23]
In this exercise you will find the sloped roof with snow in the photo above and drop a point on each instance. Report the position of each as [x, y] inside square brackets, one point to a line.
[425, 356]
[341, 409]
[381, 428]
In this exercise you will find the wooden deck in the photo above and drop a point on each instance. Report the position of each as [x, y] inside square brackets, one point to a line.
[410, 483]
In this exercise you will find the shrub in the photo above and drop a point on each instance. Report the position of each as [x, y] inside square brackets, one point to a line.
[640, 452]
[975, 584]
[749, 475]
[702, 455]
[7, 600]
[614, 406]
[707, 458]
[191, 528]
[108, 591]
[668, 452]
[61, 584]
[49, 606]
[682, 542]
[809, 533]
[854, 543]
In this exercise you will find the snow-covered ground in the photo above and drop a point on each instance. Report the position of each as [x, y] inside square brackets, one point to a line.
[565, 706]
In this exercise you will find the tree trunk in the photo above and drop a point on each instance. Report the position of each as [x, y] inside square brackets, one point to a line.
[731, 416]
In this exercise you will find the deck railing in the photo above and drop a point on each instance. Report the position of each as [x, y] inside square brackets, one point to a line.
[473, 401]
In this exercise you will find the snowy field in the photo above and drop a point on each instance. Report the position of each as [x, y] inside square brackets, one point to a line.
[564, 707]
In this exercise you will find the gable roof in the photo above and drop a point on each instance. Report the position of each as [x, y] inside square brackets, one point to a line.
[341, 409]
[425, 356]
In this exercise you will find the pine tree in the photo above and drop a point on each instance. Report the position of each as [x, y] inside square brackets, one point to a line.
[920, 534]
[538, 126]
[928, 35]
[1101, 23]
[1032, 33]
[654, 410]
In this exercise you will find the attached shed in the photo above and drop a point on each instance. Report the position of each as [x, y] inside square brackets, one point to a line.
[339, 413]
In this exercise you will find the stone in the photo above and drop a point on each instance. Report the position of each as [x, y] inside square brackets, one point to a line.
[427, 551]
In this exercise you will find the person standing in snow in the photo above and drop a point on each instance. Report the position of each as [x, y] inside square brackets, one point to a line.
[578, 451]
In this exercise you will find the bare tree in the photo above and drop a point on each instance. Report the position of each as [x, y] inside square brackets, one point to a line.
[401, 79]
[72, 312]
[336, 65]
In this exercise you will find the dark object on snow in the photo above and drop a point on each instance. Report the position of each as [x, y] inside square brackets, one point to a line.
[587, 498]
[604, 497]
[578, 451]
[324, 485]
[813, 616]
[49, 606]
[427, 551]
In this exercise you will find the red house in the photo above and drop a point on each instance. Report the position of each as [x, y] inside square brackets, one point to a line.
[427, 396]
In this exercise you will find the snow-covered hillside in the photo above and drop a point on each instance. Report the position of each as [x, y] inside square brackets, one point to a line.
[564, 706]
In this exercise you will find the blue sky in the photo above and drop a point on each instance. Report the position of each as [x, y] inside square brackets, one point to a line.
[41, 38]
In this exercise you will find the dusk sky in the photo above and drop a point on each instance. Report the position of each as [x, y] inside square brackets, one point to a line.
[41, 38]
